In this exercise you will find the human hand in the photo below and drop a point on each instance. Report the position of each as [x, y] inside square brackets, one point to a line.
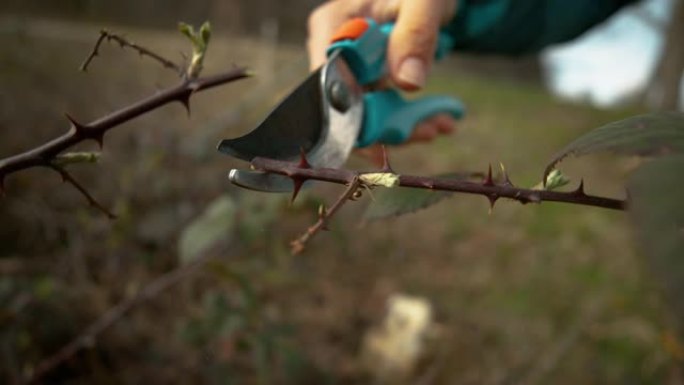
[411, 47]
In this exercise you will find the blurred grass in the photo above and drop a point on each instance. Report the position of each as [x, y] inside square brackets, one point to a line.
[508, 287]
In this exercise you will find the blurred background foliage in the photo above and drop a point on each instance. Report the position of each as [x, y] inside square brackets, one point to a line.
[528, 294]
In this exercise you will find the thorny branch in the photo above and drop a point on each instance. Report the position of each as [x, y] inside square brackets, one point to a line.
[124, 43]
[489, 188]
[46, 154]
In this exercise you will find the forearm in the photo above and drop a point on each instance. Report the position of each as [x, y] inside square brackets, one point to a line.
[522, 26]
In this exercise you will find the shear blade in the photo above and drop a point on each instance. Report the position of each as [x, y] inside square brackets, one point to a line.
[305, 120]
[293, 126]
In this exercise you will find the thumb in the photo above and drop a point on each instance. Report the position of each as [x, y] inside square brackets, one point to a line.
[412, 43]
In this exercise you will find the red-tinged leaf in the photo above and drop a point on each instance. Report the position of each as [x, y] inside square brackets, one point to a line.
[650, 134]
[393, 202]
[656, 192]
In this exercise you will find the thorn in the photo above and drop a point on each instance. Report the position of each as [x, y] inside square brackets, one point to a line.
[489, 181]
[580, 189]
[99, 138]
[77, 126]
[507, 179]
[298, 183]
[385, 160]
[185, 101]
[303, 163]
[492, 201]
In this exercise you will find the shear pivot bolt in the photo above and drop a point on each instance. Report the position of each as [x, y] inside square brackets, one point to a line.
[339, 96]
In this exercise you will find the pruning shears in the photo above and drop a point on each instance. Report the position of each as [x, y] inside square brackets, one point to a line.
[335, 109]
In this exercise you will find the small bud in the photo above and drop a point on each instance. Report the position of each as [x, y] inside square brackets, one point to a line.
[554, 180]
[322, 211]
[205, 32]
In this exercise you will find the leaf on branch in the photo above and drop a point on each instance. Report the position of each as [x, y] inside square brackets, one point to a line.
[656, 192]
[650, 134]
[200, 43]
[384, 179]
[213, 226]
[76, 157]
[554, 180]
[390, 203]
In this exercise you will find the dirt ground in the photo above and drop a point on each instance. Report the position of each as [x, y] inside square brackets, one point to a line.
[530, 294]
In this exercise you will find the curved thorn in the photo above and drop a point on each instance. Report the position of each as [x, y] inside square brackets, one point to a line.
[298, 183]
[322, 212]
[185, 101]
[492, 201]
[386, 167]
[99, 138]
[303, 162]
[489, 181]
[74, 123]
[580, 189]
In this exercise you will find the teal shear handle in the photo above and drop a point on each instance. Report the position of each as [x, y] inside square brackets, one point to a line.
[388, 118]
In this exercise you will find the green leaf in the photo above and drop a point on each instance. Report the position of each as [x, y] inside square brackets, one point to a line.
[76, 157]
[649, 134]
[394, 202]
[656, 192]
[213, 226]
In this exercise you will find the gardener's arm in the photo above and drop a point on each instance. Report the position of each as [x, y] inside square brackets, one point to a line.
[522, 26]
[497, 26]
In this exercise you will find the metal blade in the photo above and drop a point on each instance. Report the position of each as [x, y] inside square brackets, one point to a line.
[261, 181]
[293, 125]
[323, 117]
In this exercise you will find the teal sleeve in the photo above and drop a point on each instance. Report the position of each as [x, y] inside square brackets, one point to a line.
[524, 26]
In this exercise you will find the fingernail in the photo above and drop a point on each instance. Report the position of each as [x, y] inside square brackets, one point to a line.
[412, 71]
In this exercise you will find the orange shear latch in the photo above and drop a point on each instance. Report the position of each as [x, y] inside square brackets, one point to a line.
[352, 29]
